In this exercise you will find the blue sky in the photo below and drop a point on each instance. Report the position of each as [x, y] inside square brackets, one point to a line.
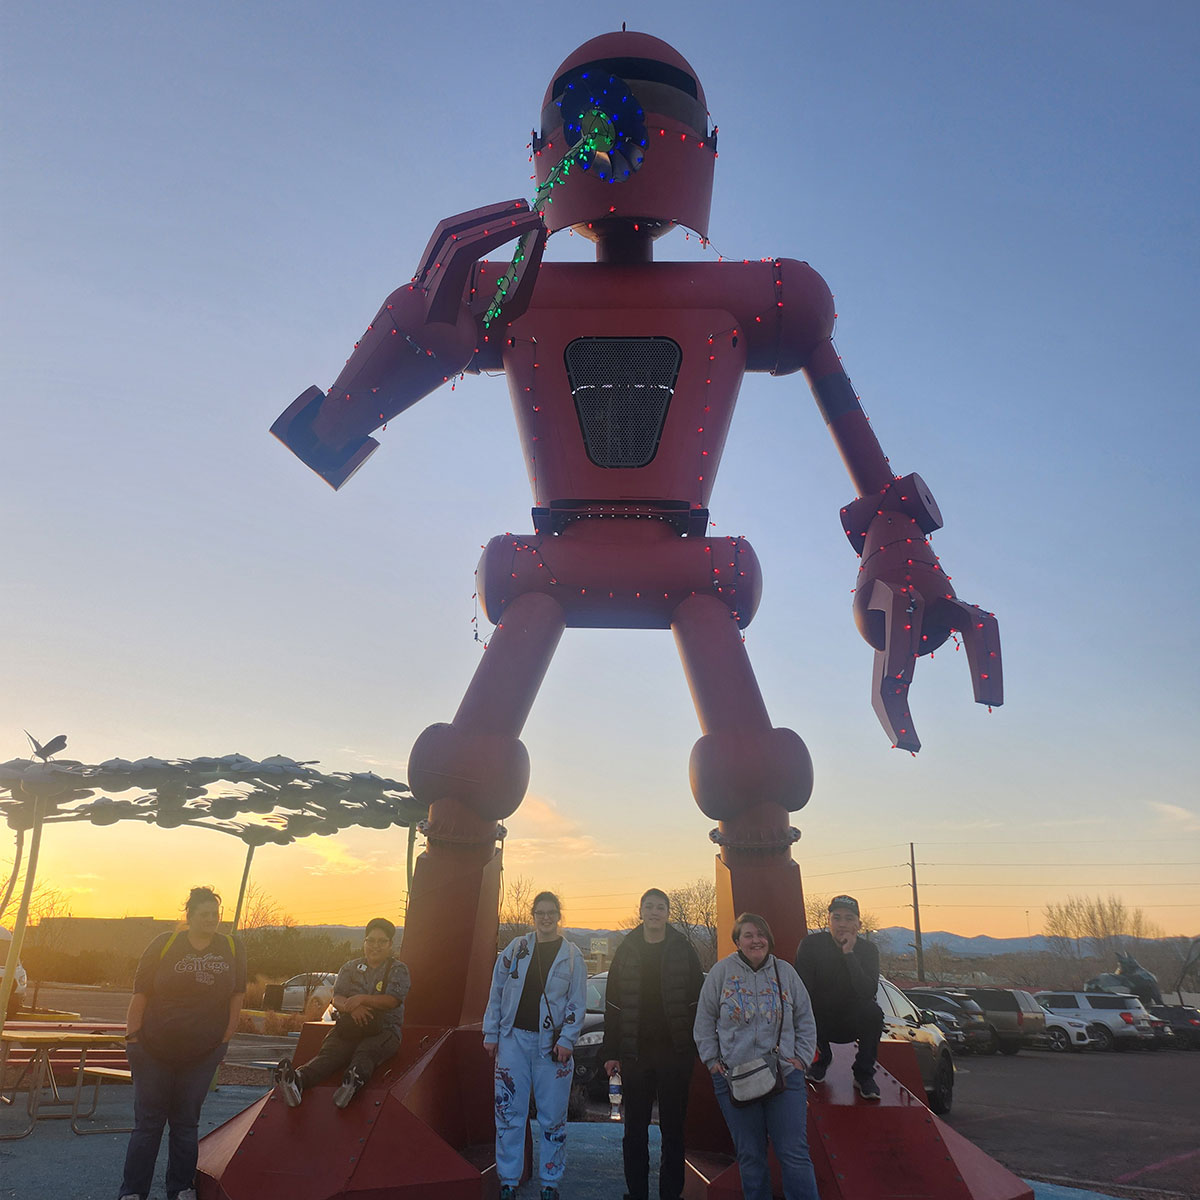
[204, 205]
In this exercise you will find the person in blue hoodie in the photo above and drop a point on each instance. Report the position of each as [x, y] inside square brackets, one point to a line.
[753, 1006]
[533, 1017]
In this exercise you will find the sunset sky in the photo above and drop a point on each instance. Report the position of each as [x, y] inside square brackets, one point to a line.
[203, 205]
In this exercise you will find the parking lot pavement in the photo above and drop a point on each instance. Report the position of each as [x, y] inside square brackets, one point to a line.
[1123, 1124]
[54, 1162]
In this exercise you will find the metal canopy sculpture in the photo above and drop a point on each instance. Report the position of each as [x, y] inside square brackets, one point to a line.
[624, 374]
[223, 794]
[269, 802]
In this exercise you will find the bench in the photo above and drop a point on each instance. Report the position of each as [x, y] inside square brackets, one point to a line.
[97, 1074]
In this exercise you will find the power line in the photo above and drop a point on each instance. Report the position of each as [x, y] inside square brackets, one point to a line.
[1059, 841]
[856, 871]
[1024, 906]
[1051, 864]
[1041, 883]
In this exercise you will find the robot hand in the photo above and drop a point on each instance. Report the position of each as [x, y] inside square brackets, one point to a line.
[424, 334]
[905, 606]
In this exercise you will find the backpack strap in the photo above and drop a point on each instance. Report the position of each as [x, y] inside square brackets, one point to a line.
[171, 941]
[381, 987]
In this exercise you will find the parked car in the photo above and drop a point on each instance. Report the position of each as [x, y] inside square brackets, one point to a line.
[1115, 1022]
[16, 998]
[590, 1080]
[903, 1021]
[1067, 1033]
[1015, 1016]
[1183, 1020]
[951, 1030]
[979, 1036]
[300, 989]
[1164, 1035]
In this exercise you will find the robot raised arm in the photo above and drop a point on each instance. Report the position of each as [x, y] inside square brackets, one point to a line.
[904, 603]
[422, 336]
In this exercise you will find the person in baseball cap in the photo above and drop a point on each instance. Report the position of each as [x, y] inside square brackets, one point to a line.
[840, 969]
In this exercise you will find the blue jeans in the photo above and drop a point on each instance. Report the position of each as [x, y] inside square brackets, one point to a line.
[784, 1120]
[519, 1068]
[162, 1093]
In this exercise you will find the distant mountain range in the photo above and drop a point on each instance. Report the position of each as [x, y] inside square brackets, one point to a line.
[898, 940]
[893, 940]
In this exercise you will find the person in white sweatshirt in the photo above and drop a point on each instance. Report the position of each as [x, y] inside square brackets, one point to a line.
[753, 1005]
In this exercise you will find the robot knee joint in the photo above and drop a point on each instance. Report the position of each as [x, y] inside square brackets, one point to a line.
[733, 771]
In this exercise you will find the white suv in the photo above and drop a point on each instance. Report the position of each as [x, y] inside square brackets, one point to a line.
[1114, 1021]
[16, 999]
[1067, 1033]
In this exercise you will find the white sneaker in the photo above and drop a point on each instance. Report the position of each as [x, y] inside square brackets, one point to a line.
[352, 1081]
[287, 1084]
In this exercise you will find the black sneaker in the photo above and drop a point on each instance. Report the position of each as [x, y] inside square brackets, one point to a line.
[549, 1193]
[351, 1082]
[866, 1086]
[288, 1084]
[508, 1192]
[816, 1072]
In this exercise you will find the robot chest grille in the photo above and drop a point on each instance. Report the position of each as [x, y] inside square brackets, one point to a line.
[622, 387]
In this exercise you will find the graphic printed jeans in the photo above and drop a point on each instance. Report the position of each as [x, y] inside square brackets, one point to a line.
[520, 1069]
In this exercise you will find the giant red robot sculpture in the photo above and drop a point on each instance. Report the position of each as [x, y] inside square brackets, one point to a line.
[624, 374]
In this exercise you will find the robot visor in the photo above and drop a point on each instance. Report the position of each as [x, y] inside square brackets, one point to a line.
[660, 88]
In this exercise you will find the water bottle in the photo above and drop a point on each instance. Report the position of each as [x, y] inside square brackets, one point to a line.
[614, 1096]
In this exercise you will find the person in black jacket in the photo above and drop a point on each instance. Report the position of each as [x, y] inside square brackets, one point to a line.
[840, 969]
[650, 1008]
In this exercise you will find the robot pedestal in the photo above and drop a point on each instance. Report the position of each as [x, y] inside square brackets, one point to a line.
[423, 1127]
[860, 1151]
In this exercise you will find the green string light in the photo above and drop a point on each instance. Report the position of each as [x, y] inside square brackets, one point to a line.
[599, 136]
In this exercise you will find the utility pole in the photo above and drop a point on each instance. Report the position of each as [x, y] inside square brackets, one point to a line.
[912, 862]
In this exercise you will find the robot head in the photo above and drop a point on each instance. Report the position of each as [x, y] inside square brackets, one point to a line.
[640, 90]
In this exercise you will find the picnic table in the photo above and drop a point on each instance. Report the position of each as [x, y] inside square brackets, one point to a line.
[48, 1047]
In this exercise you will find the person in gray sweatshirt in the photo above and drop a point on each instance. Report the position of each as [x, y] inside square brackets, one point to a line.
[752, 1003]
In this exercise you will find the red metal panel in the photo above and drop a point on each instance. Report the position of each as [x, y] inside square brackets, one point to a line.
[454, 903]
[887, 1151]
[631, 573]
[693, 437]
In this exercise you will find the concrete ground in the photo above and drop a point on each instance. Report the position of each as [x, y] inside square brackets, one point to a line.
[55, 1164]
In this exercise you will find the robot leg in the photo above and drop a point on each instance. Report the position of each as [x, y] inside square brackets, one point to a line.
[745, 774]
[472, 772]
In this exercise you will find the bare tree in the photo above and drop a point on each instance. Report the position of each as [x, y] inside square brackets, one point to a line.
[694, 911]
[940, 962]
[816, 914]
[260, 911]
[516, 909]
[1100, 925]
[46, 903]
[816, 911]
